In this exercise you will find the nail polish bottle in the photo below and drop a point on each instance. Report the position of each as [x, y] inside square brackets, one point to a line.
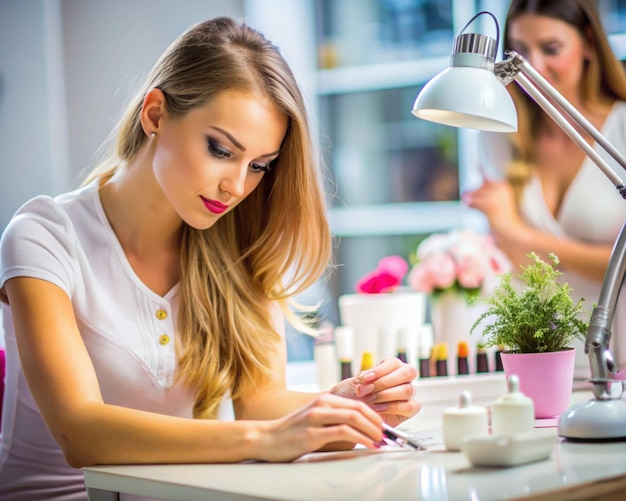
[344, 344]
[464, 421]
[402, 345]
[513, 412]
[325, 358]
[482, 362]
[441, 360]
[424, 347]
[462, 352]
[367, 361]
[498, 359]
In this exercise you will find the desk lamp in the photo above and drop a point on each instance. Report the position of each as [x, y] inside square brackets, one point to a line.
[471, 93]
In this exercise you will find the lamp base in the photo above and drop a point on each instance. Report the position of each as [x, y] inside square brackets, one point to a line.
[594, 420]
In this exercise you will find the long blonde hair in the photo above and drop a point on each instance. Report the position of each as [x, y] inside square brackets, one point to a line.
[275, 243]
[604, 76]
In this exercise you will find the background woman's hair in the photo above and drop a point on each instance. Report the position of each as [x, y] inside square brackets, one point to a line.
[273, 245]
[604, 76]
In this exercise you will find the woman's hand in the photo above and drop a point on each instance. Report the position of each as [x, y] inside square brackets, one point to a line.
[386, 387]
[327, 423]
[496, 200]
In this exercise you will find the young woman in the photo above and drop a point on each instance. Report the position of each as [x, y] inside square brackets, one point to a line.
[141, 300]
[541, 192]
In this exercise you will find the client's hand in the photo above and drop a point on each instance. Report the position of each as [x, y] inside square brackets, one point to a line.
[387, 388]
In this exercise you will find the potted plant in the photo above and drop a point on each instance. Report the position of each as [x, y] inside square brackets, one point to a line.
[536, 320]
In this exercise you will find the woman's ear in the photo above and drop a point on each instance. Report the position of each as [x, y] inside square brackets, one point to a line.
[589, 47]
[153, 109]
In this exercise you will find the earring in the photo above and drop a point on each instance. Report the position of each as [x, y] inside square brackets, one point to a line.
[153, 135]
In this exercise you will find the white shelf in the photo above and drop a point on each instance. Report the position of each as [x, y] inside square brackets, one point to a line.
[402, 219]
[379, 76]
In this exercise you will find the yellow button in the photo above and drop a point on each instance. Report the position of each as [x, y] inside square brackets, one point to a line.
[164, 339]
[161, 314]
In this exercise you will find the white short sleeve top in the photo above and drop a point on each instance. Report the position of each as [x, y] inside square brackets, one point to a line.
[129, 331]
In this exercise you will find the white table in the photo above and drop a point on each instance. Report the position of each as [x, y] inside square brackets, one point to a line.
[577, 470]
[403, 475]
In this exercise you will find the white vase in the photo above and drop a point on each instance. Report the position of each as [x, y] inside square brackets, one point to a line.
[378, 321]
[452, 319]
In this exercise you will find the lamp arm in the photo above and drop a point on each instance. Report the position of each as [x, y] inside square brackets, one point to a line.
[599, 330]
[518, 69]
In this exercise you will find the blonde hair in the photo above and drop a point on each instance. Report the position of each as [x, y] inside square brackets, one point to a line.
[273, 245]
[604, 76]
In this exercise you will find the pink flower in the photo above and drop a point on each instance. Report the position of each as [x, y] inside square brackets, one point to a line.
[376, 282]
[443, 270]
[420, 279]
[394, 265]
[471, 271]
[385, 278]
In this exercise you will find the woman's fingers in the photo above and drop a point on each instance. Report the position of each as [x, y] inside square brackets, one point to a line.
[400, 392]
[396, 404]
[387, 388]
[389, 373]
[326, 420]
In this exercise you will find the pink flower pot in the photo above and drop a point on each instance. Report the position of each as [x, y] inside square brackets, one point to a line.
[546, 378]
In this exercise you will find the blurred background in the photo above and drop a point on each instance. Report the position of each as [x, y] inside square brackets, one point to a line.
[67, 68]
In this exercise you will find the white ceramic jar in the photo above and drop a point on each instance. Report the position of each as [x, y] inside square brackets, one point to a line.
[464, 421]
[513, 412]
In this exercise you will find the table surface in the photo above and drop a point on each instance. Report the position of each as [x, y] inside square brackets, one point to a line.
[434, 474]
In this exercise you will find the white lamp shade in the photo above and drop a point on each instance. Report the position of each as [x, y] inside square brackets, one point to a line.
[464, 96]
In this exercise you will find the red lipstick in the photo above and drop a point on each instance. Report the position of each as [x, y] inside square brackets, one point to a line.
[214, 206]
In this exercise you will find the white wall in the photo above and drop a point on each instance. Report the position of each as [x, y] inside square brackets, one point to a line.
[25, 149]
[66, 70]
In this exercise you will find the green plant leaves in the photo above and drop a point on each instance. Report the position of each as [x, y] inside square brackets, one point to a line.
[537, 316]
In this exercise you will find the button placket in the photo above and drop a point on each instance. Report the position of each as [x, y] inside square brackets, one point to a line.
[167, 358]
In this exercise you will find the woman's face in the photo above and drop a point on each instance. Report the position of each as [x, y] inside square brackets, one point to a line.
[209, 160]
[554, 48]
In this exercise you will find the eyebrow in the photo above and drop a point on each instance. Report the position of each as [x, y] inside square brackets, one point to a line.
[238, 144]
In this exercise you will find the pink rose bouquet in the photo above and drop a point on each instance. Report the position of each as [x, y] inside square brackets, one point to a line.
[462, 261]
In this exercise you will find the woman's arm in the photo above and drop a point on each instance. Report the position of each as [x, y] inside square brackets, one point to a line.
[64, 385]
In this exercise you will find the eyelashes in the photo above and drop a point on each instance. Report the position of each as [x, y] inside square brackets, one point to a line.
[262, 168]
[223, 154]
[216, 150]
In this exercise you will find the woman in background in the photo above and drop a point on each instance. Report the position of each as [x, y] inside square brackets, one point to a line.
[541, 192]
[143, 299]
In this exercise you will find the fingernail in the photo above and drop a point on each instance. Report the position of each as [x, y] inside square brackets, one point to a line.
[371, 397]
[380, 407]
[369, 376]
[364, 389]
